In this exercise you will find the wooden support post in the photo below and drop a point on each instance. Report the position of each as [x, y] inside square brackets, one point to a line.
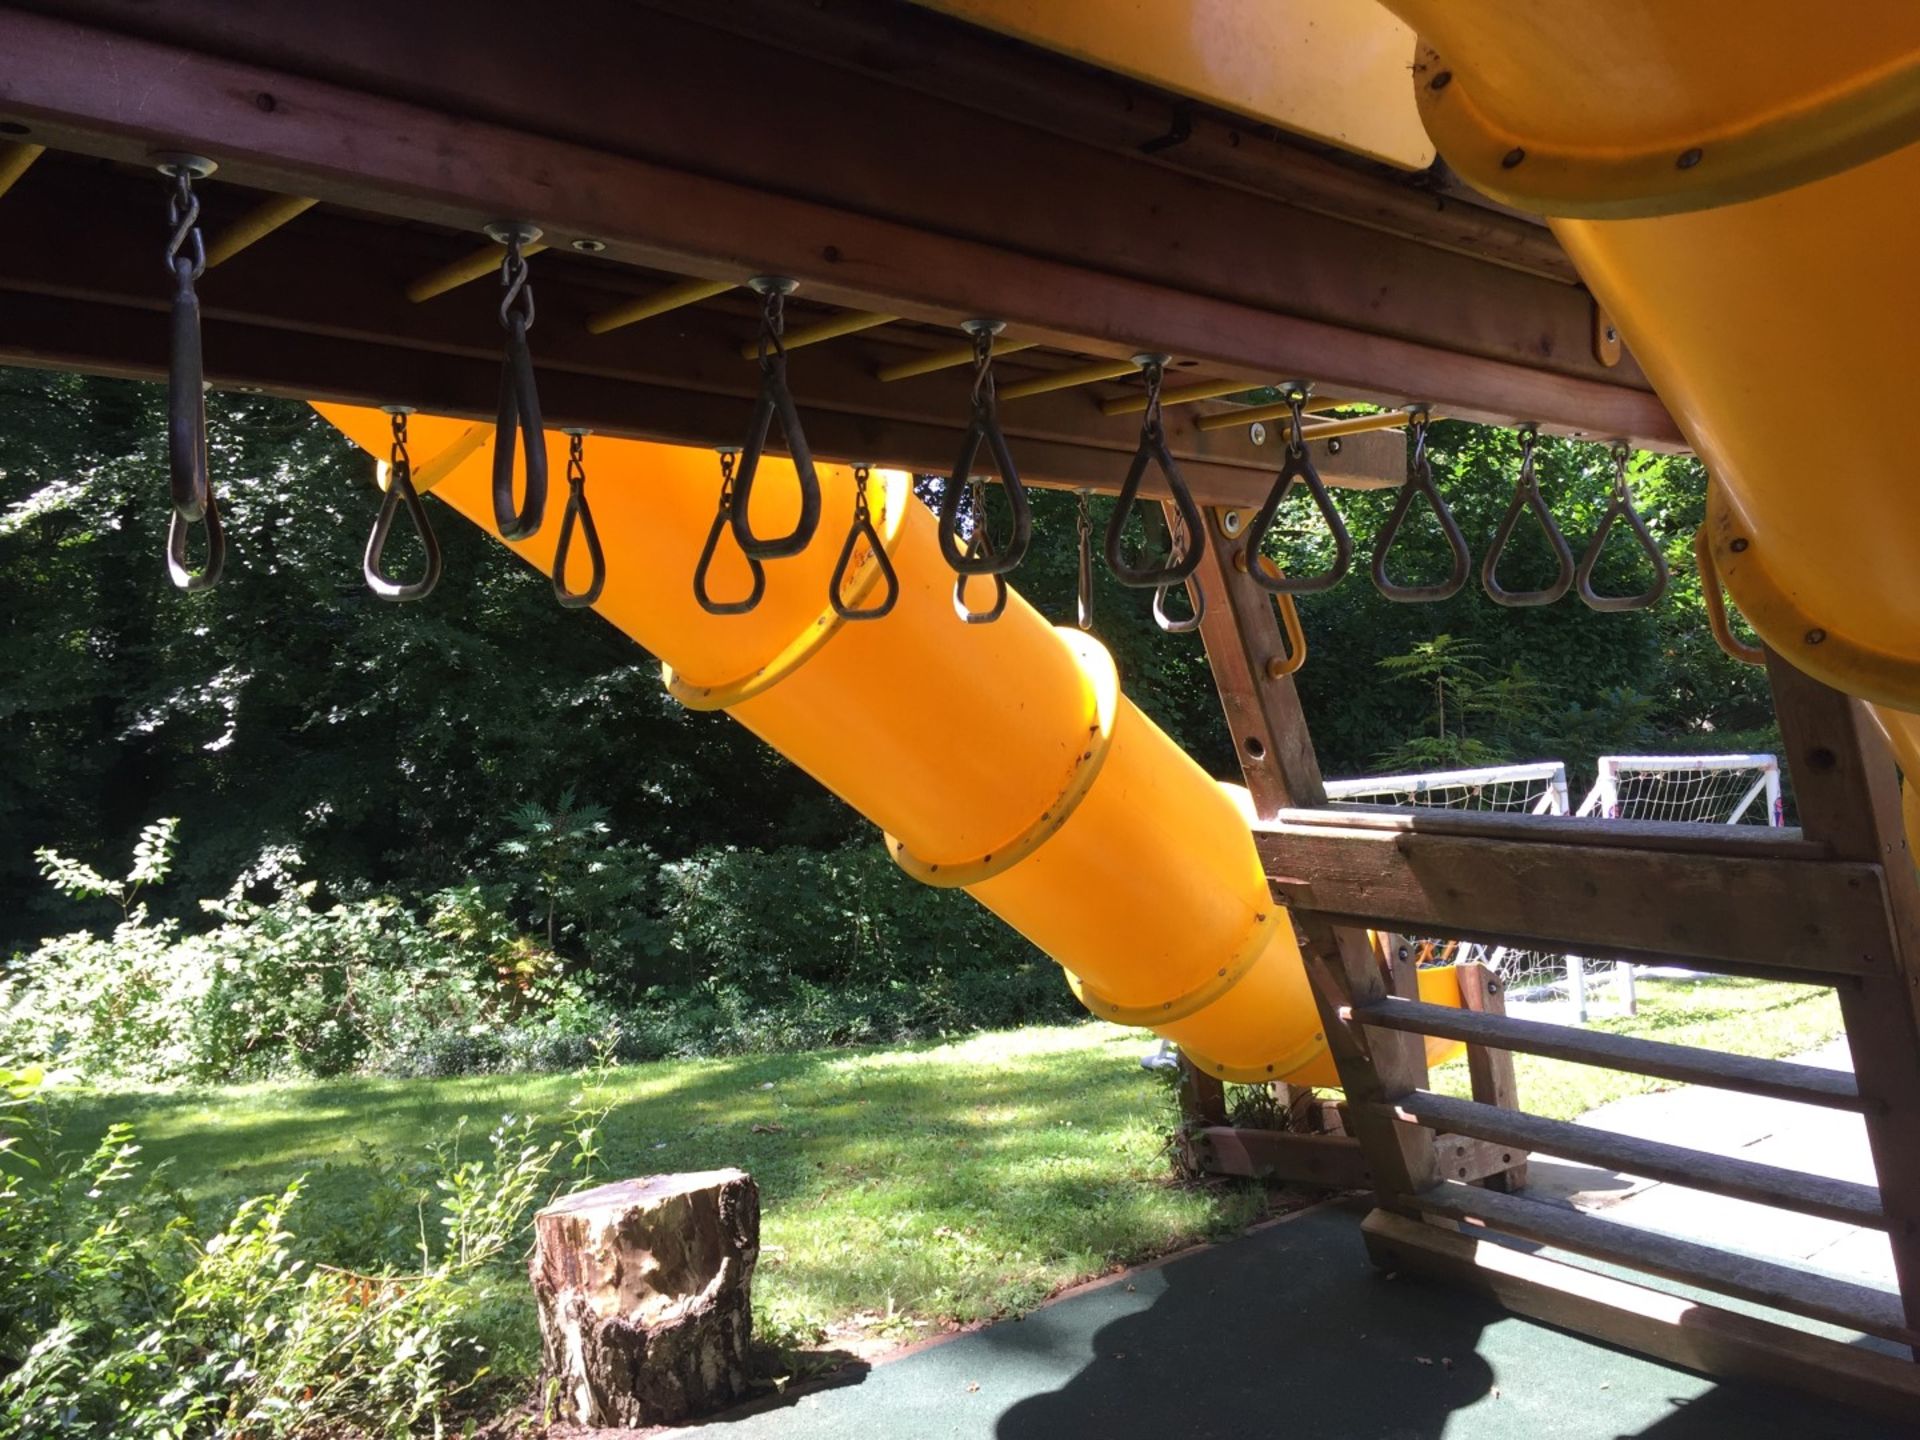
[1241, 629]
[1491, 1070]
[1203, 1099]
[1847, 793]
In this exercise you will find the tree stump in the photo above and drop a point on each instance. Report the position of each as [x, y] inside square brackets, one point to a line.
[644, 1292]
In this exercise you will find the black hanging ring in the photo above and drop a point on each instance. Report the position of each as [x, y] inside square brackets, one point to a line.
[1298, 465]
[1420, 482]
[188, 472]
[578, 512]
[183, 575]
[863, 529]
[1183, 556]
[518, 419]
[400, 492]
[1620, 507]
[723, 524]
[984, 426]
[1527, 496]
[775, 399]
[979, 544]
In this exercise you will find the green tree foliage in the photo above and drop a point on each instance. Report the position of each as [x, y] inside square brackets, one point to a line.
[484, 737]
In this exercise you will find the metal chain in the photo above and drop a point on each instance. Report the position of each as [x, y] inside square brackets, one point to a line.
[183, 214]
[514, 281]
[1083, 521]
[983, 393]
[773, 328]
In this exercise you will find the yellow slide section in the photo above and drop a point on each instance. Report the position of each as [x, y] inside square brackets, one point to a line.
[1000, 758]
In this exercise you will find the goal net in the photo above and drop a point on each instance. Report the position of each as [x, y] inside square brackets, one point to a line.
[1686, 789]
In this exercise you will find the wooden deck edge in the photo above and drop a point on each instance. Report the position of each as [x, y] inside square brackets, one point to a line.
[1666, 1327]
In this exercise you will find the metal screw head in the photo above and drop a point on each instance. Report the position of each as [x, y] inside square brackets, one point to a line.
[1690, 158]
[1441, 81]
[1816, 636]
[505, 230]
[773, 285]
[1333, 446]
[581, 430]
[586, 245]
[981, 325]
[399, 409]
[1257, 433]
[1148, 357]
[1512, 158]
[1739, 544]
[1230, 523]
[182, 162]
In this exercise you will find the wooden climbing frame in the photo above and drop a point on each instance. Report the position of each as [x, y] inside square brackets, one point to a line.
[1834, 902]
[911, 173]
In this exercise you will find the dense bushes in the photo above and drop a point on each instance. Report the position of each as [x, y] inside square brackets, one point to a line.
[735, 950]
[121, 1317]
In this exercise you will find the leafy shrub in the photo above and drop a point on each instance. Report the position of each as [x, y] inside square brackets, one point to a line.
[795, 948]
[117, 1319]
[278, 986]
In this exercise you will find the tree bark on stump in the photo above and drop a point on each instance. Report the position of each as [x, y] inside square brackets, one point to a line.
[644, 1289]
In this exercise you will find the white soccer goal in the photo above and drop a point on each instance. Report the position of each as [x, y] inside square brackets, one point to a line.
[1697, 789]
[1539, 788]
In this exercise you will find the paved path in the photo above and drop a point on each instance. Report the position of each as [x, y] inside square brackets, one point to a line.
[1289, 1333]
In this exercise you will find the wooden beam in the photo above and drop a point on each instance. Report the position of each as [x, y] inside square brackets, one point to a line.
[61, 333]
[1688, 1064]
[1847, 793]
[1815, 918]
[69, 242]
[1842, 1200]
[1670, 1328]
[1765, 1282]
[1785, 842]
[417, 163]
[1241, 630]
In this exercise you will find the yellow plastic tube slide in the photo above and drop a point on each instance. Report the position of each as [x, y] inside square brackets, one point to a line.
[1734, 179]
[1000, 758]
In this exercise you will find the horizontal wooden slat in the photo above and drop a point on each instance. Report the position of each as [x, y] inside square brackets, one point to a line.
[1333, 1161]
[1781, 1079]
[1784, 842]
[1818, 1297]
[1840, 1200]
[1814, 917]
[1671, 1328]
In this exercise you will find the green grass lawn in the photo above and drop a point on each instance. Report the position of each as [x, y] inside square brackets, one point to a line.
[902, 1189]
[1747, 1017]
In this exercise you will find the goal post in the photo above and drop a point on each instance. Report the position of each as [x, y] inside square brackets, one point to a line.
[1536, 788]
[1697, 789]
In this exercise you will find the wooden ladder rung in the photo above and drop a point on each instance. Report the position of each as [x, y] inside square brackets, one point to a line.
[1780, 1079]
[1840, 1200]
[1818, 1297]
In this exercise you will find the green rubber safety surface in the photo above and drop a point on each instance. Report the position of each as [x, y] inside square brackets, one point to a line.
[1288, 1332]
